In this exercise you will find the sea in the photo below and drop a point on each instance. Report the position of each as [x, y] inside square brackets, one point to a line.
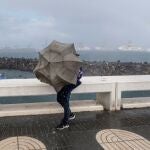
[109, 56]
[95, 55]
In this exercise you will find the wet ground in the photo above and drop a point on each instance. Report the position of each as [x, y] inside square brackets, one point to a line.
[82, 132]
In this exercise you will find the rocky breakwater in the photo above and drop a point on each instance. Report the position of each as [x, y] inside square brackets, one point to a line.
[22, 64]
[90, 68]
[116, 68]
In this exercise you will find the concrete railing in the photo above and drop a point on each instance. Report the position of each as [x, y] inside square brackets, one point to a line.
[130, 83]
[105, 96]
[107, 88]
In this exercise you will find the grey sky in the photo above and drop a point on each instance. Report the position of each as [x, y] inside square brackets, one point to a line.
[91, 22]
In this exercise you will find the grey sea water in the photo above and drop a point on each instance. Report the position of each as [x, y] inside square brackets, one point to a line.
[111, 56]
[85, 55]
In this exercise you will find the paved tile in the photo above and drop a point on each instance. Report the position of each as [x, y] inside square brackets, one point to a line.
[82, 132]
[9, 143]
[143, 130]
[21, 143]
[29, 143]
[116, 139]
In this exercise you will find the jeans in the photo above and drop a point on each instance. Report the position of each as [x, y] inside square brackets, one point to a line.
[63, 97]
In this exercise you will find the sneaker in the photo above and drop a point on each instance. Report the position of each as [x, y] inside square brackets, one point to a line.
[62, 126]
[72, 116]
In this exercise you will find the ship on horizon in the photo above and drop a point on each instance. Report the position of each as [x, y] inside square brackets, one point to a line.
[130, 47]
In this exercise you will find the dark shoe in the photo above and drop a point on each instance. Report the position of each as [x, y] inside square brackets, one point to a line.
[72, 116]
[62, 126]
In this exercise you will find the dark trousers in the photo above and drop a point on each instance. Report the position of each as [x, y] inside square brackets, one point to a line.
[63, 97]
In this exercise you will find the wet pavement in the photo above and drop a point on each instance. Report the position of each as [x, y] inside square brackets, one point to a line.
[81, 135]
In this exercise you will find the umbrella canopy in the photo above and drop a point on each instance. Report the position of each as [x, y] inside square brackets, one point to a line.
[58, 65]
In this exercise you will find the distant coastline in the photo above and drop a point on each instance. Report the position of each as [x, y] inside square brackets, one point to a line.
[91, 68]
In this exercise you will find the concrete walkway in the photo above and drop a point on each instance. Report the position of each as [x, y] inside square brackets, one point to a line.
[125, 129]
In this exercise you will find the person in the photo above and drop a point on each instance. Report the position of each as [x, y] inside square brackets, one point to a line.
[63, 97]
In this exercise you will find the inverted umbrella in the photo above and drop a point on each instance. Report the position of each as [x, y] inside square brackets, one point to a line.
[58, 65]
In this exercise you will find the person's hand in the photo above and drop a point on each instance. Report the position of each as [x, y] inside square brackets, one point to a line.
[78, 82]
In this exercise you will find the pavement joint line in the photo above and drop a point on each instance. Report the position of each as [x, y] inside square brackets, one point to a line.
[64, 146]
[141, 144]
[115, 134]
[127, 140]
[17, 143]
[124, 141]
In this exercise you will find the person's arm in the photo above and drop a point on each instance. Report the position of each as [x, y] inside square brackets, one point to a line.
[73, 86]
[78, 83]
[80, 74]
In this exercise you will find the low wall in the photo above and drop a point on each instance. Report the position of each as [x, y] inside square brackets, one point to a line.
[108, 91]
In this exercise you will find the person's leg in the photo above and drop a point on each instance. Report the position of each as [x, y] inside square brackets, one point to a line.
[66, 106]
[62, 95]
[66, 90]
[67, 111]
[68, 115]
[59, 97]
[63, 99]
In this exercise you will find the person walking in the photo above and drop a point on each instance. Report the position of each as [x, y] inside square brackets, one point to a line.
[57, 65]
[63, 97]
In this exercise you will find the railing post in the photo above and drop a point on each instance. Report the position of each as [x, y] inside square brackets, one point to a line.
[103, 99]
[107, 99]
[118, 97]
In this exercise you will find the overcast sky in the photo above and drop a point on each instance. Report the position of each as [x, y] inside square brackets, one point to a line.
[110, 23]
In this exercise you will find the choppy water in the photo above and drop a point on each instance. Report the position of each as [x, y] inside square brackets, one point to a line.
[11, 74]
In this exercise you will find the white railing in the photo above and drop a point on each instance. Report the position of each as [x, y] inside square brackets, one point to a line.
[108, 91]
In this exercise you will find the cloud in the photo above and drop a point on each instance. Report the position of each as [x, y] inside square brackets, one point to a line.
[23, 31]
[95, 22]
